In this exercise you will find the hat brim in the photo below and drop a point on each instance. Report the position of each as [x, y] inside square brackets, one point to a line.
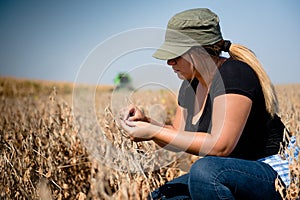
[169, 51]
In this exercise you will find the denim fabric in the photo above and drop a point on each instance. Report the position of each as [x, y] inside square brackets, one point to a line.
[222, 178]
[176, 189]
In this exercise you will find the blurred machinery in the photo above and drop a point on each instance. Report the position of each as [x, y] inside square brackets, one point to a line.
[123, 81]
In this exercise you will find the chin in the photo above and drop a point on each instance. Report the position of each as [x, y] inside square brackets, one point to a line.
[180, 76]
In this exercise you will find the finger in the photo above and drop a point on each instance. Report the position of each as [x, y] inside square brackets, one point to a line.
[130, 123]
[131, 114]
[128, 112]
[124, 125]
[124, 114]
[133, 118]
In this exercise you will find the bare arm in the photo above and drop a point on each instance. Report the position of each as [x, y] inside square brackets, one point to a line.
[229, 117]
[178, 124]
[230, 113]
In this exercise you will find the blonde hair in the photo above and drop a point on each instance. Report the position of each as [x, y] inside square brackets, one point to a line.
[242, 53]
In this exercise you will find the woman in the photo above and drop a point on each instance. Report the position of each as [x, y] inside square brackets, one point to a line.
[226, 113]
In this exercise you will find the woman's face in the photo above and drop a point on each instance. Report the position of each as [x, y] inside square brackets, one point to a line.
[182, 66]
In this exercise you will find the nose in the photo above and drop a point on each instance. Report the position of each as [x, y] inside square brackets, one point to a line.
[171, 62]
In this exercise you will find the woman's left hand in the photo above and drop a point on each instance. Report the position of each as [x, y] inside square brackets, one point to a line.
[139, 130]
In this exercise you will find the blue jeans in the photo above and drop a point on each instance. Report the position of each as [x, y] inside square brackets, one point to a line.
[222, 178]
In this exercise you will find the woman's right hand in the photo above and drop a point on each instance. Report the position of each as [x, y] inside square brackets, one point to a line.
[133, 113]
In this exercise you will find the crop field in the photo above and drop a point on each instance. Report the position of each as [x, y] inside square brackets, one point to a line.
[63, 141]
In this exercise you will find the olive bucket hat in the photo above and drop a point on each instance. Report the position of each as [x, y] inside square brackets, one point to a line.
[195, 27]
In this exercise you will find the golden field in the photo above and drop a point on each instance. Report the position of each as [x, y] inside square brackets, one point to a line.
[62, 141]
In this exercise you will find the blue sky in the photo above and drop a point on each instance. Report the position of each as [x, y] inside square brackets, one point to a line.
[53, 40]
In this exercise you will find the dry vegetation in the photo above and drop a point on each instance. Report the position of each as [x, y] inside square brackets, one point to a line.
[66, 144]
